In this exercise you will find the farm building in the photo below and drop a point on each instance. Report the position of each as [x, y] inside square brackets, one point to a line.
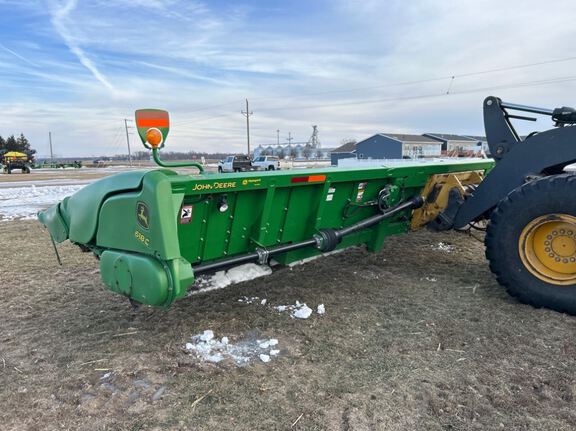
[482, 143]
[398, 146]
[456, 145]
[346, 151]
[298, 151]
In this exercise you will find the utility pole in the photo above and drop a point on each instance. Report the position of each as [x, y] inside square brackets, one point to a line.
[289, 138]
[128, 142]
[247, 114]
[277, 136]
[51, 153]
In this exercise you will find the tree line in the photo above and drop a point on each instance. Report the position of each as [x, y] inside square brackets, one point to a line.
[20, 144]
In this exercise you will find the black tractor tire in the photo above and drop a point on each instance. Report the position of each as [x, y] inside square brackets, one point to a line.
[271, 168]
[512, 243]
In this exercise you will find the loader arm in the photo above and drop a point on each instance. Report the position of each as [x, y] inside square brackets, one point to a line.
[517, 161]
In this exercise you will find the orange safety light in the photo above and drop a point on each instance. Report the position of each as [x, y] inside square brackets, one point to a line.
[154, 137]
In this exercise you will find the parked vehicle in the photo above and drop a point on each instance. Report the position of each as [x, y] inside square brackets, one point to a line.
[266, 163]
[15, 160]
[235, 163]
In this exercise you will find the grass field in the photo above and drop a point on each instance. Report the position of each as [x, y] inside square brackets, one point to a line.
[416, 337]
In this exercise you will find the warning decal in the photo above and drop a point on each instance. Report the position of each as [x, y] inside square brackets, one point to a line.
[186, 214]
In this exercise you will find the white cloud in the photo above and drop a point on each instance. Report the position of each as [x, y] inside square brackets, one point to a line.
[200, 60]
[60, 20]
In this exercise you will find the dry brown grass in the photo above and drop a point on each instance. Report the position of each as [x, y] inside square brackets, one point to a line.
[394, 351]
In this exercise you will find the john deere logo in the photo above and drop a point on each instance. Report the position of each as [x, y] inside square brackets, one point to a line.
[143, 215]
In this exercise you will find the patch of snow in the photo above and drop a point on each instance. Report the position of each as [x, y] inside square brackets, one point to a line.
[209, 349]
[321, 309]
[263, 302]
[222, 279]
[442, 246]
[24, 202]
[207, 335]
[298, 310]
[248, 299]
[304, 312]
[310, 259]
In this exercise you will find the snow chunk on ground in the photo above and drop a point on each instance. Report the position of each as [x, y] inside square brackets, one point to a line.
[208, 348]
[442, 246]
[321, 309]
[248, 299]
[24, 202]
[303, 312]
[222, 279]
[207, 335]
[298, 310]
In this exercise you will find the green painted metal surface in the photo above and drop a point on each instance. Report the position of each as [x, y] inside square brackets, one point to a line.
[151, 228]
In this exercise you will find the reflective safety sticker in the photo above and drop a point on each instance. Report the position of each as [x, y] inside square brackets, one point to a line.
[361, 188]
[330, 195]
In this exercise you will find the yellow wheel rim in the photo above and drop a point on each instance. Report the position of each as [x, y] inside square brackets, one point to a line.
[547, 247]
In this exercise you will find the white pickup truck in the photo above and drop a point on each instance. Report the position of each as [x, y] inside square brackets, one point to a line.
[266, 163]
[235, 163]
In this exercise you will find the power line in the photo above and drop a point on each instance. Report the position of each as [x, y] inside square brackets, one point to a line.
[425, 96]
[399, 84]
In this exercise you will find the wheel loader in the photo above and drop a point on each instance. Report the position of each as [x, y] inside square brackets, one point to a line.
[154, 231]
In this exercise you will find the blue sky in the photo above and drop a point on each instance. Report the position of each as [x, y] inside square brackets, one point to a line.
[354, 68]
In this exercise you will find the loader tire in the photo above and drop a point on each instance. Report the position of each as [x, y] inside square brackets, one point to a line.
[531, 243]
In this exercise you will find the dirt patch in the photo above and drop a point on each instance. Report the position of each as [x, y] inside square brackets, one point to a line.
[414, 337]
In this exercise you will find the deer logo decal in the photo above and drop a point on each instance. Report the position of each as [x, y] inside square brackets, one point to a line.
[143, 215]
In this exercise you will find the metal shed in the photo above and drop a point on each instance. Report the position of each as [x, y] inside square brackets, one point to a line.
[398, 146]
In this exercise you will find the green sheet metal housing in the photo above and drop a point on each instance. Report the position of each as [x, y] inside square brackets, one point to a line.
[149, 228]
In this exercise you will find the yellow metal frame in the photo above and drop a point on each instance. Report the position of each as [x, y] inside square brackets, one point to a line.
[436, 193]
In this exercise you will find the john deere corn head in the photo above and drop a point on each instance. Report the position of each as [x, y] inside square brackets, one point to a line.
[153, 231]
